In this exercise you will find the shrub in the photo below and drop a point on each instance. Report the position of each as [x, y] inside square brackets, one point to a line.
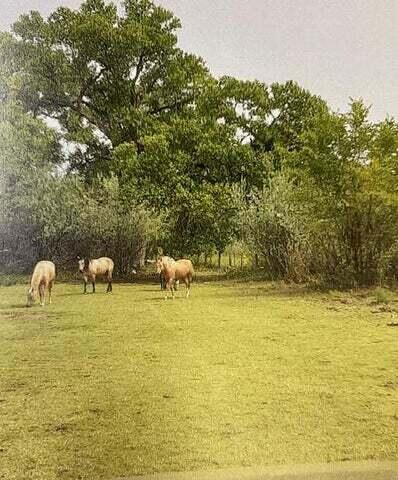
[382, 295]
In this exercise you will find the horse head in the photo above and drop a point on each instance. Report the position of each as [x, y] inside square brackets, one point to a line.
[83, 264]
[31, 297]
[159, 265]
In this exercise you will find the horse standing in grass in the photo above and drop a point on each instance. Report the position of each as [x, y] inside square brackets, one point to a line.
[96, 267]
[181, 270]
[169, 261]
[162, 280]
[43, 277]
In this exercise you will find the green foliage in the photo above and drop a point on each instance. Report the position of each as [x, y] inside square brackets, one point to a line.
[105, 76]
[110, 225]
[382, 295]
[8, 280]
[202, 220]
[150, 138]
[334, 215]
[47, 214]
[272, 225]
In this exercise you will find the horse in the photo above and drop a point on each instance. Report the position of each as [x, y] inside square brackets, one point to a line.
[173, 272]
[43, 277]
[162, 280]
[170, 261]
[96, 267]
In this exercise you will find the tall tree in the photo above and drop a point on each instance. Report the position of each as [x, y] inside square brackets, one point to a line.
[107, 79]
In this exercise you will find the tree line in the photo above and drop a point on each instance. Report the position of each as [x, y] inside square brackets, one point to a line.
[115, 141]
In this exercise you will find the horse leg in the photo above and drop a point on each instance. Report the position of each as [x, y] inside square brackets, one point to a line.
[188, 286]
[50, 286]
[169, 286]
[109, 288]
[41, 293]
[93, 283]
[85, 284]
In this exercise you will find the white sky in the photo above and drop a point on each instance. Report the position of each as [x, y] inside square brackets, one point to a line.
[335, 48]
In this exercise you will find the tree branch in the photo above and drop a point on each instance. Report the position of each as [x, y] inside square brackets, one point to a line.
[90, 81]
[170, 106]
[139, 68]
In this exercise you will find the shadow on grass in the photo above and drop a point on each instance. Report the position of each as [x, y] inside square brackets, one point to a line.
[155, 299]
[28, 314]
[13, 306]
[80, 293]
[72, 294]
[235, 289]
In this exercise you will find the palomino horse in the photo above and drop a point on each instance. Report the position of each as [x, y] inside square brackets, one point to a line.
[181, 270]
[43, 277]
[169, 261]
[96, 267]
[162, 280]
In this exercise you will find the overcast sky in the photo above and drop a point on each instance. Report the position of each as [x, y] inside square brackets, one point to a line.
[335, 48]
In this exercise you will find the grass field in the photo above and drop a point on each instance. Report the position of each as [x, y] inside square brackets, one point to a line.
[106, 386]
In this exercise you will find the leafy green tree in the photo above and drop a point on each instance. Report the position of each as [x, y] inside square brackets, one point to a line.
[202, 220]
[146, 133]
[46, 213]
[107, 79]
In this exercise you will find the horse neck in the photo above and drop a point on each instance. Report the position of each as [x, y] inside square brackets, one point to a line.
[167, 270]
[35, 282]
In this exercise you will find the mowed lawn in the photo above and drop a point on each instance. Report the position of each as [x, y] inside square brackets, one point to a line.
[106, 386]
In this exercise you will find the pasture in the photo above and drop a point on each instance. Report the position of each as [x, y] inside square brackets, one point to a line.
[110, 385]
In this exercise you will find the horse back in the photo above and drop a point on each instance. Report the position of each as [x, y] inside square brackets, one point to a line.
[183, 269]
[102, 265]
[44, 272]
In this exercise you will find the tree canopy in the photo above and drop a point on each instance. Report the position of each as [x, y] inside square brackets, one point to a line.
[148, 126]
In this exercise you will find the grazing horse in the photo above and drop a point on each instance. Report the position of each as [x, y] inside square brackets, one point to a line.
[172, 272]
[96, 267]
[43, 277]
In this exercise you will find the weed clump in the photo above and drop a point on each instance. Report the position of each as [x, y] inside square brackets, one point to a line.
[382, 295]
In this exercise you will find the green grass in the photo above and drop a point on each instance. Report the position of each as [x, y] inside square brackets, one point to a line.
[103, 386]
[6, 280]
[382, 295]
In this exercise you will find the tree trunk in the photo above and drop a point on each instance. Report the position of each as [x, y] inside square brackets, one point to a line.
[255, 260]
[141, 257]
